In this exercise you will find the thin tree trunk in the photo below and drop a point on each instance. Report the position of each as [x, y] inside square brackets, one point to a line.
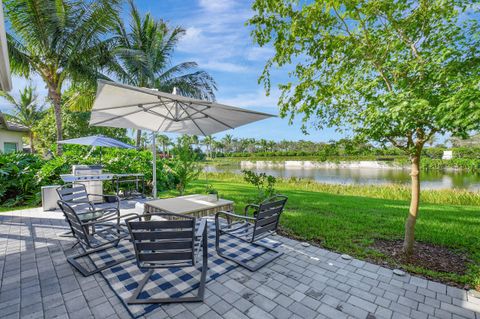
[57, 108]
[414, 203]
[32, 148]
[139, 136]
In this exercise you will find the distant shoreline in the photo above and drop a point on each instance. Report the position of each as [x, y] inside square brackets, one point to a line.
[330, 165]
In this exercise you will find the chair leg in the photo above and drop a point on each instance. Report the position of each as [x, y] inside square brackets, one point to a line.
[72, 260]
[201, 288]
[245, 264]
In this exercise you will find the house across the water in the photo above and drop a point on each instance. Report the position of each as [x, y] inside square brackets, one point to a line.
[11, 135]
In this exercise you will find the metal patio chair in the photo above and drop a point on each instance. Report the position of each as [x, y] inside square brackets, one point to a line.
[251, 229]
[77, 197]
[108, 235]
[174, 242]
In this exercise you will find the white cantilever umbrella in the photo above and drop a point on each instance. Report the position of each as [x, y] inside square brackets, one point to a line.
[125, 106]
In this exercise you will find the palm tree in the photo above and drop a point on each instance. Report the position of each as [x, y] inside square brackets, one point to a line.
[165, 141]
[208, 142]
[60, 40]
[227, 141]
[27, 111]
[218, 147]
[143, 54]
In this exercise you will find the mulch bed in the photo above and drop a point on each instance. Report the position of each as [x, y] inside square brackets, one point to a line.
[425, 255]
[428, 256]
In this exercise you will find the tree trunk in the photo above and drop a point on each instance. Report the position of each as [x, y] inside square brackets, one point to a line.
[414, 202]
[57, 107]
[139, 136]
[32, 148]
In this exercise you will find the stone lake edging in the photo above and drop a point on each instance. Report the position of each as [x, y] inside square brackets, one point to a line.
[314, 164]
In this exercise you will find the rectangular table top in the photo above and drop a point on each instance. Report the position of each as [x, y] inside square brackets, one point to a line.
[188, 204]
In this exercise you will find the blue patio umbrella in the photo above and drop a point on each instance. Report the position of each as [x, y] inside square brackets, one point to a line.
[97, 140]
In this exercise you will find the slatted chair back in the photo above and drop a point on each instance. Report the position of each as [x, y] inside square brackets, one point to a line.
[76, 196]
[75, 224]
[163, 243]
[268, 216]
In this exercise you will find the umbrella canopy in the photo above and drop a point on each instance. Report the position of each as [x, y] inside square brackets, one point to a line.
[97, 140]
[125, 106]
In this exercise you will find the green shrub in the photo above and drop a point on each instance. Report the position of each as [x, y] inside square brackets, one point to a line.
[22, 174]
[264, 183]
[18, 182]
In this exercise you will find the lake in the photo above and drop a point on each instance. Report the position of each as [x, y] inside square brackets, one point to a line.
[366, 176]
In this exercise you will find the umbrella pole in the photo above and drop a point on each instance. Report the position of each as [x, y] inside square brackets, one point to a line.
[154, 173]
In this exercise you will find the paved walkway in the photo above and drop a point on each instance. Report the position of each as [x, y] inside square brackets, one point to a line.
[37, 282]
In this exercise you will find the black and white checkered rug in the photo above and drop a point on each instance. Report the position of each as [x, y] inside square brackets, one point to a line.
[173, 282]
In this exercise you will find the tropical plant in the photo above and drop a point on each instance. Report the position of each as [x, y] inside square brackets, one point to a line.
[184, 166]
[60, 40]
[394, 72]
[143, 52]
[27, 111]
[18, 183]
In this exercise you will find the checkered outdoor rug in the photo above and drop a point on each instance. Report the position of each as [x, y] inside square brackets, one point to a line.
[173, 282]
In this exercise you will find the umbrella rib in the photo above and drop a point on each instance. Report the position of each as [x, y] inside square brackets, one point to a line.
[160, 115]
[166, 107]
[161, 124]
[197, 111]
[123, 115]
[224, 124]
[201, 131]
[122, 106]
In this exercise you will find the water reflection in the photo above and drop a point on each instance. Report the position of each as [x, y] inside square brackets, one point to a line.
[366, 176]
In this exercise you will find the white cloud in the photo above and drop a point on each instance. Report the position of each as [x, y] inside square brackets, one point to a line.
[216, 35]
[217, 5]
[254, 100]
[224, 67]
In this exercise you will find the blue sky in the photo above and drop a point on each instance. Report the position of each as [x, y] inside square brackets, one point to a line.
[218, 40]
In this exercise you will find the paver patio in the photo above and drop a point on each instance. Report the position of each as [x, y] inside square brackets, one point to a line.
[306, 282]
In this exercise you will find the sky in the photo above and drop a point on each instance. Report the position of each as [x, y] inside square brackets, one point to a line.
[218, 40]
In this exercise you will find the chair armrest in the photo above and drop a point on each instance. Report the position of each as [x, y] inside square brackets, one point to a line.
[251, 206]
[233, 215]
[110, 219]
[201, 228]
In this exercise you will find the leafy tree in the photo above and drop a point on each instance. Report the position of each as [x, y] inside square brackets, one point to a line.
[60, 40]
[27, 110]
[143, 52]
[391, 71]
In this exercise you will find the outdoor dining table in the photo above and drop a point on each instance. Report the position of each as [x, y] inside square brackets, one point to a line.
[196, 205]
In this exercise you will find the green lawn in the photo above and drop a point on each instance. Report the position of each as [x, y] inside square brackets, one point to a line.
[350, 223]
